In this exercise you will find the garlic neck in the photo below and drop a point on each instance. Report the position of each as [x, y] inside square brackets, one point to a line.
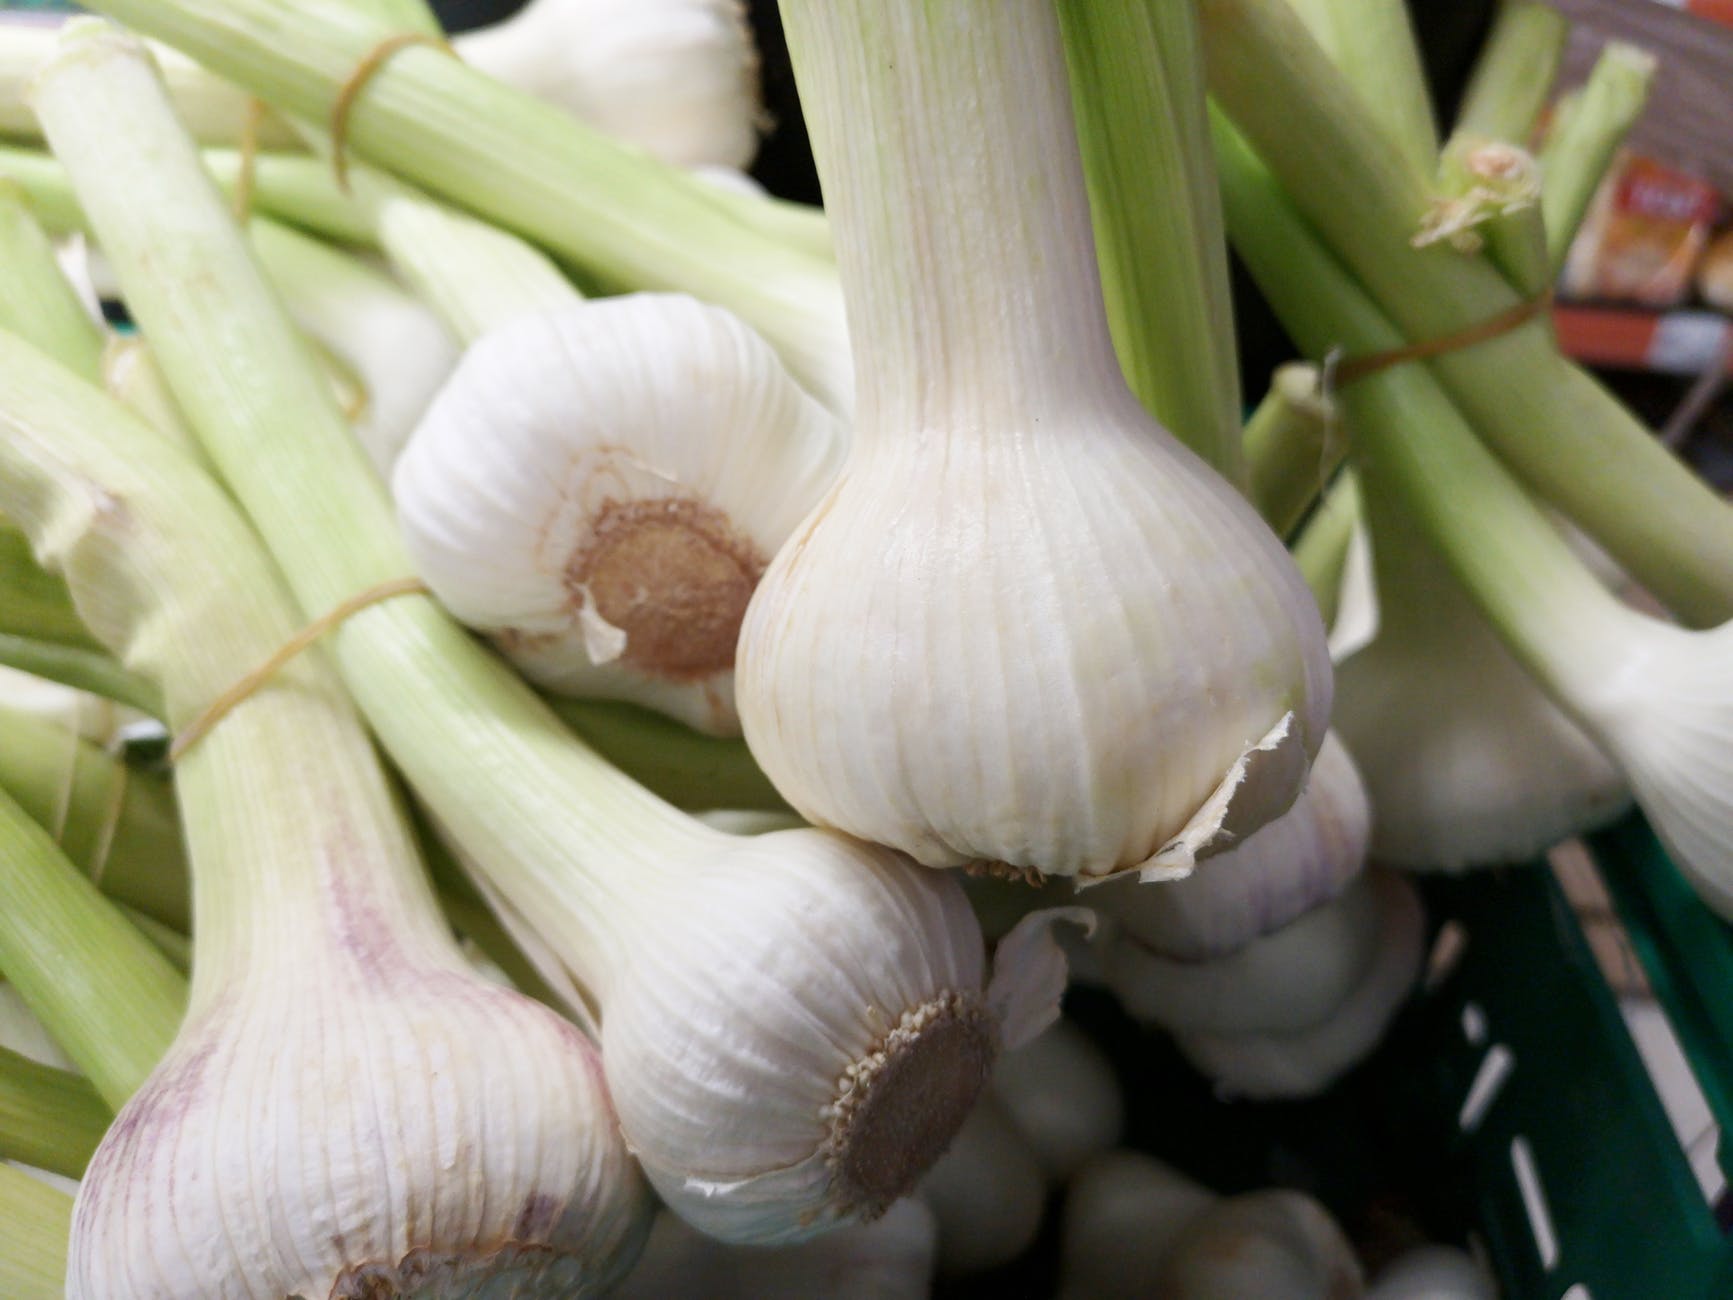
[960, 109]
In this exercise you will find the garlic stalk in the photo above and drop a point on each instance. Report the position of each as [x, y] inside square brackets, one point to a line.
[986, 1193]
[1514, 73]
[1433, 1273]
[22, 1032]
[1467, 761]
[794, 1024]
[49, 1118]
[986, 641]
[1294, 443]
[1372, 41]
[1060, 1092]
[1288, 980]
[214, 111]
[629, 221]
[677, 78]
[35, 298]
[1269, 1243]
[891, 1258]
[1124, 1212]
[1305, 1062]
[34, 1222]
[1656, 697]
[321, 954]
[1322, 550]
[1662, 522]
[1585, 135]
[600, 488]
[1298, 862]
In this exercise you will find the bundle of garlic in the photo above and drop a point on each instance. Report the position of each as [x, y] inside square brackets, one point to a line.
[792, 1025]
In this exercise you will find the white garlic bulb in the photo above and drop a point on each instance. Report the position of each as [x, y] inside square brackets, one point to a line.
[1123, 1213]
[1060, 1092]
[1467, 761]
[986, 1193]
[599, 488]
[1026, 626]
[1304, 1062]
[1269, 1243]
[1286, 981]
[678, 78]
[1298, 862]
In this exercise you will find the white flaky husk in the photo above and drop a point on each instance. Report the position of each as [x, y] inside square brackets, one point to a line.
[1027, 626]
[678, 78]
[891, 1258]
[599, 488]
[1298, 862]
[1285, 981]
[1301, 1064]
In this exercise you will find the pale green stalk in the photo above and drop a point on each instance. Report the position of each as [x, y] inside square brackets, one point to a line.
[171, 943]
[799, 226]
[296, 188]
[687, 768]
[108, 996]
[1321, 550]
[51, 1119]
[87, 670]
[1137, 87]
[35, 299]
[35, 603]
[35, 1224]
[1372, 42]
[1584, 137]
[1293, 447]
[117, 825]
[1515, 72]
[1568, 438]
[615, 213]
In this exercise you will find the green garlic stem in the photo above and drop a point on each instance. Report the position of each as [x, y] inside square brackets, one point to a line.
[107, 995]
[616, 213]
[1137, 88]
[36, 302]
[1293, 447]
[1515, 72]
[117, 825]
[1321, 550]
[1662, 522]
[35, 1225]
[35, 603]
[87, 670]
[1584, 138]
[50, 1119]
[1372, 42]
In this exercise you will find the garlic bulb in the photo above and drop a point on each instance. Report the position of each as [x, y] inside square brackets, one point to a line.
[890, 1258]
[1288, 980]
[1305, 1062]
[1026, 626]
[1299, 861]
[600, 488]
[346, 1109]
[1433, 1273]
[1124, 1212]
[1060, 1092]
[1467, 761]
[1270, 1243]
[678, 78]
[986, 1194]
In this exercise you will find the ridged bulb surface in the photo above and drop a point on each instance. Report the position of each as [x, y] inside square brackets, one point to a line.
[677, 78]
[1466, 760]
[363, 1128]
[1047, 647]
[599, 488]
[1298, 862]
[775, 1079]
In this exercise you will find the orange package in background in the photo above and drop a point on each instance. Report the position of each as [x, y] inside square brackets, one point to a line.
[1643, 236]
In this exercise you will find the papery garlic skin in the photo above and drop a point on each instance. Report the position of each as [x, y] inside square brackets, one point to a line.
[599, 488]
[855, 1087]
[678, 78]
[365, 1101]
[1026, 626]
[1298, 862]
